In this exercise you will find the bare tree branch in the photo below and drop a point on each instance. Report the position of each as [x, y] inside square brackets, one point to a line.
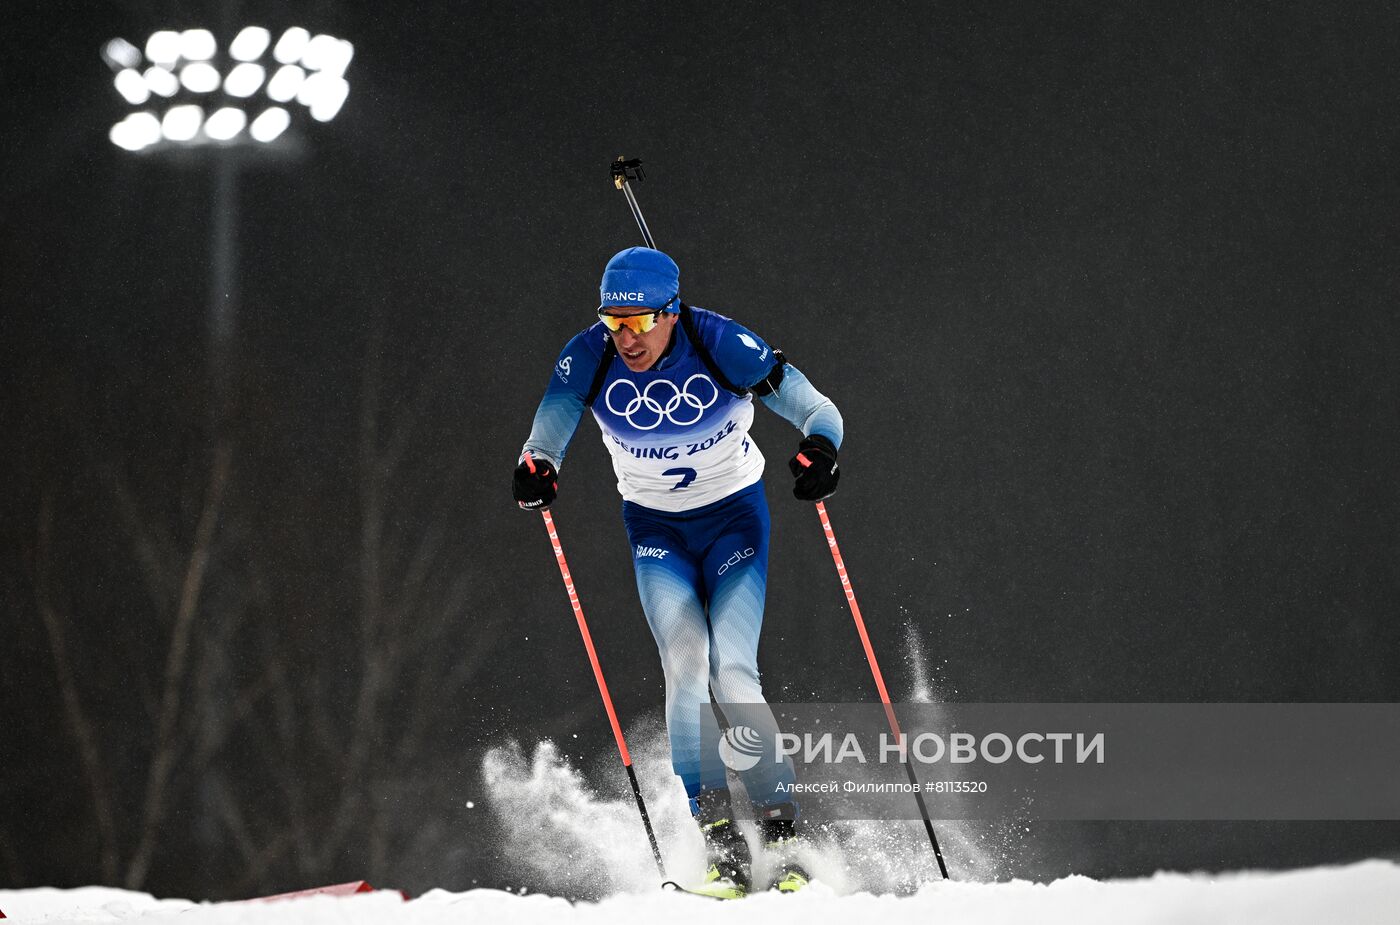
[153, 551]
[273, 676]
[79, 725]
[163, 760]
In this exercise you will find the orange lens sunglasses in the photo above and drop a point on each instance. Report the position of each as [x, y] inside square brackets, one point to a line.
[637, 324]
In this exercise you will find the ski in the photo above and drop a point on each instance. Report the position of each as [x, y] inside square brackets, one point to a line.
[722, 893]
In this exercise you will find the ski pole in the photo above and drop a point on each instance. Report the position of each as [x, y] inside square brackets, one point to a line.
[879, 679]
[622, 171]
[598, 676]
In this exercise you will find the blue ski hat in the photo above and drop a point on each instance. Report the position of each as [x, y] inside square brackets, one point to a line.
[642, 277]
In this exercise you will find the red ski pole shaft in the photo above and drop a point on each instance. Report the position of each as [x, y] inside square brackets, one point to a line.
[587, 637]
[602, 684]
[879, 680]
[860, 621]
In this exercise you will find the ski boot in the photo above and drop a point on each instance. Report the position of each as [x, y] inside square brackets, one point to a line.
[780, 839]
[726, 852]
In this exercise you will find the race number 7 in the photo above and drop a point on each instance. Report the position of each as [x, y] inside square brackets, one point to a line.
[687, 476]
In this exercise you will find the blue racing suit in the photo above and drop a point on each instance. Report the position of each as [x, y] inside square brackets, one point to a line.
[693, 505]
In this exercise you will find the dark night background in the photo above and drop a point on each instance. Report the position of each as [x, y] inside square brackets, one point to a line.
[1105, 295]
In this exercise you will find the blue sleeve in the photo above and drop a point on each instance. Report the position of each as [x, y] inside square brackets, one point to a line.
[746, 359]
[561, 409]
[741, 354]
[811, 412]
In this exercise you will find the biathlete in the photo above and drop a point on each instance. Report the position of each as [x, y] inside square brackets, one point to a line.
[672, 389]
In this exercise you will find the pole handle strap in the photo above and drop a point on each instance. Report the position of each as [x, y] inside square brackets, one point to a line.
[624, 170]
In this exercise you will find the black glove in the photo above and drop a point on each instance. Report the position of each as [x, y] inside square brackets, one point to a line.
[815, 469]
[536, 484]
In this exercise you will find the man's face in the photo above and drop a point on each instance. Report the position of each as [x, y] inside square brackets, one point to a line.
[641, 351]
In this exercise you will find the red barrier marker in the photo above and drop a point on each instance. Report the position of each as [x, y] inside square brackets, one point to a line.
[336, 889]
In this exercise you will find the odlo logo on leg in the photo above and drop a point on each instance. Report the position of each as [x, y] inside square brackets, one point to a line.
[652, 552]
[735, 559]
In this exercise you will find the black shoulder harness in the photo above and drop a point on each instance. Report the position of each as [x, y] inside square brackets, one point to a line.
[765, 386]
[609, 351]
[688, 322]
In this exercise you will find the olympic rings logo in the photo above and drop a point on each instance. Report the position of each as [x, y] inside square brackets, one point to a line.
[652, 406]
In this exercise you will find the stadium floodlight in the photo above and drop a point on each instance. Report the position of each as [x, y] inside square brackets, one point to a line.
[318, 52]
[119, 53]
[197, 45]
[340, 59]
[200, 77]
[226, 123]
[161, 81]
[250, 44]
[292, 45]
[328, 105]
[122, 137]
[131, 86]
[244, 80]
[286, 83]
[271, 123]
[163, 47]
[323, 95]
[314, 88]
[138, 130]
[181, 123]
[186, 74]
[328, 55]
[145, 126]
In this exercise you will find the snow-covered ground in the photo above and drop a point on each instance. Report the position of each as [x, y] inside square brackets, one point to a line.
[565, 835]
[1358, 894]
